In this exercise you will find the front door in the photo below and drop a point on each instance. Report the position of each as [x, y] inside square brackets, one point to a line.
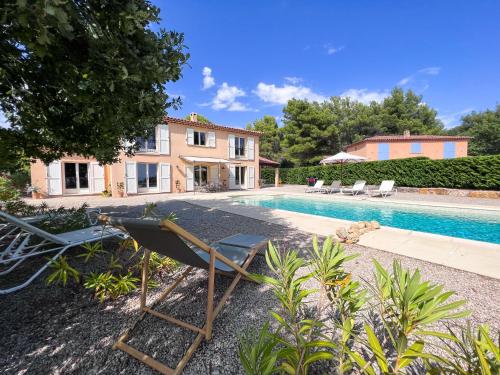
[76, 178]
[200, 176]
[147, 177]
[237, 177]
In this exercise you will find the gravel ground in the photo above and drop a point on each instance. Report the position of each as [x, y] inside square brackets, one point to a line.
[51, 330]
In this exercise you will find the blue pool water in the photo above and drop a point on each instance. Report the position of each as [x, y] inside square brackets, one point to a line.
[470, 224]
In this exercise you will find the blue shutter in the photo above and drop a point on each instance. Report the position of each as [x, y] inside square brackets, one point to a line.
[449, 150]
[383, 151]
[416, 148]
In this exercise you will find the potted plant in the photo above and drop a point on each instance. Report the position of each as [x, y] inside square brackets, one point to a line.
[106, 193]
[120, 187]
[35, 192]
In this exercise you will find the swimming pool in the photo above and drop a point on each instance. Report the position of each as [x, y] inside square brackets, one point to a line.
[463, 223]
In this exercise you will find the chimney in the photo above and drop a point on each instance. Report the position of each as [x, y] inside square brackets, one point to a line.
[406, 133]
[193, 116]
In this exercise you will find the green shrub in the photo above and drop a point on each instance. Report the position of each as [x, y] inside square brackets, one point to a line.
[382, 332]
[8, 191]
[479, 172]
[21, 179]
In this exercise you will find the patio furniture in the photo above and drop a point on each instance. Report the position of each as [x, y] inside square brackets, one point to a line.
[24, 241]
[317, 187]
[342, 158]
[358, 187]
[334, 187]
[229, 257]
[386, 188]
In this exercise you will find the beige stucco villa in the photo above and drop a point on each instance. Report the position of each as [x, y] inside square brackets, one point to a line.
[184, 155]
[385, 147]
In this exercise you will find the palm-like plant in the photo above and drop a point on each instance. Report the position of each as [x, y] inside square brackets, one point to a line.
[409, 304]
[327, 263]
[406, 305]
[257, 351]
[300, 340]
[382, 358]
[124, 284]
[101, 283]
[91, 250]
[62, 272]
[470, 351]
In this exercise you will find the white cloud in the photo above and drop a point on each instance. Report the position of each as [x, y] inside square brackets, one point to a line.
[226, 96]
[432, 70]
[208, 80]
[332, 50]
[293, 80]
[404, 81]
[451, 119]
[270, 93]
[364, 96]
[417, 77]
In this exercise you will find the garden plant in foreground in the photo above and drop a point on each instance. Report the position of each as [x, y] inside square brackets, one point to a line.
[361, 327]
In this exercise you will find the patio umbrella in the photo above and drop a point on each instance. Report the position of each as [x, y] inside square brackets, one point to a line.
[341, 158]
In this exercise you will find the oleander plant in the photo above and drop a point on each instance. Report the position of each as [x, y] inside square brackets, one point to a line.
[384, 326]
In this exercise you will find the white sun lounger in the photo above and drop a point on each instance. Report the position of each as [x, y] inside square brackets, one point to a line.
[24, 241]
[334, 187]
[317, 187]
[358, 187]
[386, 188]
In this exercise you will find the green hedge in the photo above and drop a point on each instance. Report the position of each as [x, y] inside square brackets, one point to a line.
[479, 172]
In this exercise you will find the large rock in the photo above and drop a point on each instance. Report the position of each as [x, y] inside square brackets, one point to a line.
[341, 233]
[374, 224]
[352, 238]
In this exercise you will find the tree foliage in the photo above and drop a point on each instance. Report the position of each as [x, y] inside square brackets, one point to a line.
[270, 141]
[484, 127]
[314, 130]
[81, 77]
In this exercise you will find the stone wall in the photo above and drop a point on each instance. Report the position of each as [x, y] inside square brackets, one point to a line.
[491, 194]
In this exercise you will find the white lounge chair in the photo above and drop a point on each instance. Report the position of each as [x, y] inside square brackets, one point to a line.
[386, 188]
[24, 241]
[358, 187]
[334, 187]
[317, 187]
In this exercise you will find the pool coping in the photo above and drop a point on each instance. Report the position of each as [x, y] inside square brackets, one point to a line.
[478, 257]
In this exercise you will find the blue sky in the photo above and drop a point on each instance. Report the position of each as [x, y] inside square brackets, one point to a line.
[249, 57]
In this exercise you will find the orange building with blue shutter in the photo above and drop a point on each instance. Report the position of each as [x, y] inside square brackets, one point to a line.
[388, 147]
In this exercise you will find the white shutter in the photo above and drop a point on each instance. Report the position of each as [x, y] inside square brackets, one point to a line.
[251, 178]
[190, 136]
[189, 178]
[164, 178]
[231, 146]
[250, 148]
[211, 139]
[232, 177]
[54, 181]
[163, 139]
[131, 177]
[213, 171]
[97, 178]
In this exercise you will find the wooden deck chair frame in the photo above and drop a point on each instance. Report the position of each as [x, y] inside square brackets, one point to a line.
[211, 314]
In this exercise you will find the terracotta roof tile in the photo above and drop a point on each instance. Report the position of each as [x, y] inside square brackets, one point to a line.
[198, 124]
[392, 138]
